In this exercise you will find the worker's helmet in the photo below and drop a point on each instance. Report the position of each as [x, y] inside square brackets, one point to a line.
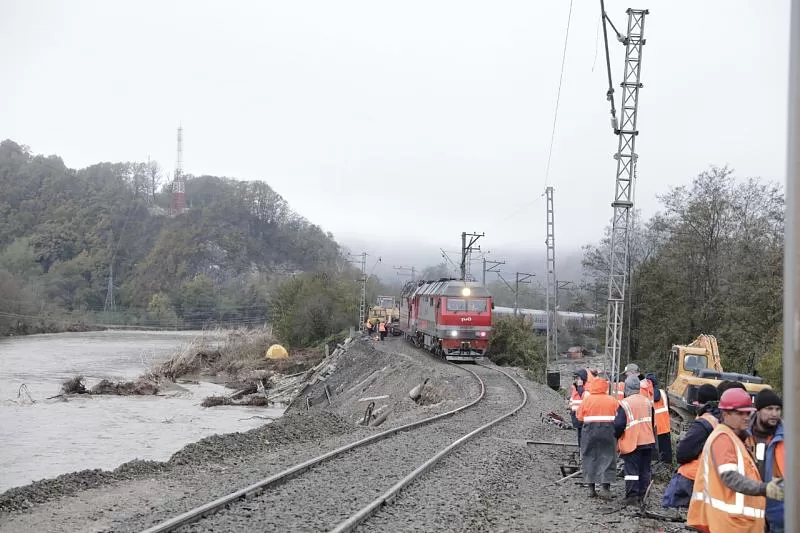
[736, 400]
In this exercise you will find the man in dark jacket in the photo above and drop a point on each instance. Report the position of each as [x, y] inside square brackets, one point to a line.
[679, 490]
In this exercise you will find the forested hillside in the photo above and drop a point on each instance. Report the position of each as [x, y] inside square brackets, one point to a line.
[711, 261]
[62, 231]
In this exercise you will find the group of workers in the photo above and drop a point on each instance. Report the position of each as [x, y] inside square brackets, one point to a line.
[731, 459]
[378, 326]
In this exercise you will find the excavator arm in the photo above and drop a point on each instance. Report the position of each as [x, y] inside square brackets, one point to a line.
[709, 344]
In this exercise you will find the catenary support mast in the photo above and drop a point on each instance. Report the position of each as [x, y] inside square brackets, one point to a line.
[551, 278]
[623, 192]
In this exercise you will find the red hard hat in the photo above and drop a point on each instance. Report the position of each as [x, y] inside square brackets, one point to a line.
[736, 400]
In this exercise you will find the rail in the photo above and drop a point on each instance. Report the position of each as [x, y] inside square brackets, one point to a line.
[198, 513]
[357, 518]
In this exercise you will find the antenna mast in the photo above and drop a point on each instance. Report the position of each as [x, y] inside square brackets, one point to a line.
[179, 183]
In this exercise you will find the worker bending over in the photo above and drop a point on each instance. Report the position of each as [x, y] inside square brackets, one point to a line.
[633, 426]
[690, 447]
[766, 442]
[598, 444]
[728, 491]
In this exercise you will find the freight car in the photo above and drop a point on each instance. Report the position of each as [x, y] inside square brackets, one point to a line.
[448, 317]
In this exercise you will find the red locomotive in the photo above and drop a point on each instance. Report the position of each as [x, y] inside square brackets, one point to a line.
[451, 318]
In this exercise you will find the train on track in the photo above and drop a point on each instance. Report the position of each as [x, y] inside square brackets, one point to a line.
[564, 319]
[448, 317]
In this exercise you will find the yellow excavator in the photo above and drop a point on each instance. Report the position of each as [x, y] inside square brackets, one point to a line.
[693, 365]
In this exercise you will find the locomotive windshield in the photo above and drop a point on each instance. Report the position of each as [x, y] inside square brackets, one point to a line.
[477, 305]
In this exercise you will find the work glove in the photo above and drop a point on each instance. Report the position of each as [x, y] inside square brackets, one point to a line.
[775, 489]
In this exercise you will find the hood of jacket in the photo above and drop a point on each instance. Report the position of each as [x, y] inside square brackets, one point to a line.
[598, 386]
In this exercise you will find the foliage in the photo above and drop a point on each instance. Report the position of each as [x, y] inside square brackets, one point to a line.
[709, 262]
[307, 308]
[513, 343]
[63, 231]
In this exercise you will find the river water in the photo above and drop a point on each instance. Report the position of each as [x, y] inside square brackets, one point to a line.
[42, 438]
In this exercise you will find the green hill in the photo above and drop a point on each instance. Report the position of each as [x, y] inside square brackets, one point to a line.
[62, 231]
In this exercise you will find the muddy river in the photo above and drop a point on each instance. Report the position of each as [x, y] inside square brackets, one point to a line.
[42, 438]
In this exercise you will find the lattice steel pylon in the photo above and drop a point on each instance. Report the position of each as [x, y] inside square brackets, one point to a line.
[551, 275]
[623, 193]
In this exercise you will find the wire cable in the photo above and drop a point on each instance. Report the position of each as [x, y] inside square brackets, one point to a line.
[558, 97]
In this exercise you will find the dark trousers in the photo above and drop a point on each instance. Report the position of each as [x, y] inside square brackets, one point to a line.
[637, 472]
[665, 448]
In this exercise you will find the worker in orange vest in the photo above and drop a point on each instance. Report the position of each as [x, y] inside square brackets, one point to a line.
[382, 330]
[679, 491]
[663, 425]
[766, 441]
[577, 391]
[729, 495]
[633, 427]
[598, 455]
[631, 369]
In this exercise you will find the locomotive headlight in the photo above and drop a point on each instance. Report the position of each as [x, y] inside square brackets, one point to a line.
[454, 333]
[481, 334]
[465, 291]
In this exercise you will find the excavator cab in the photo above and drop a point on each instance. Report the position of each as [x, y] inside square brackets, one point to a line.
[690, 367]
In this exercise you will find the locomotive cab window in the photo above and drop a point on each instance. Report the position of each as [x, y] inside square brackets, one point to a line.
[478, 305]
[456, 304]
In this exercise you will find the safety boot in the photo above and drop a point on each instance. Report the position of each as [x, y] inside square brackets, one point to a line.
[605, 492]
[592, 491]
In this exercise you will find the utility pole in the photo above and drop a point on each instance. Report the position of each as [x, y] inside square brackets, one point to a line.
[494, 265]
[179, 182]
[466, 248]
[623, 195]
[559, 285]
[362, 308]
[551, 278]
[791, 277]
[109, 304]
[522, 277]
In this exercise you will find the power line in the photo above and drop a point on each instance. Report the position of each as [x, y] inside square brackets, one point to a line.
[558, 97]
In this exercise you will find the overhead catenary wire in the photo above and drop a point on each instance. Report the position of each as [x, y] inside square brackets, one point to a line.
[558, 97]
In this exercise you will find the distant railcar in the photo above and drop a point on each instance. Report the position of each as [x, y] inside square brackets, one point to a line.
[450, 318]
[564, 319]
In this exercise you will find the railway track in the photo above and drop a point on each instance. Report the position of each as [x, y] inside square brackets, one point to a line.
[339, 490]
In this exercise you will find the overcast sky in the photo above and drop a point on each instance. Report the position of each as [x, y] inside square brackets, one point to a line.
[419, 119]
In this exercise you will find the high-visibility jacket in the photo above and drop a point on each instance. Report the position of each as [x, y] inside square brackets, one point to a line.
[714, 506]
[689, 470]
[597, 406]
[661, 407]
[575, 398]
[381, 327]
[638, 425]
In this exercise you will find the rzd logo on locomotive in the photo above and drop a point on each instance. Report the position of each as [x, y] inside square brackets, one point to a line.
[466, 319]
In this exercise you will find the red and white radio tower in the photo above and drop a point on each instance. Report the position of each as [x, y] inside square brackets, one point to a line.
[179, 183]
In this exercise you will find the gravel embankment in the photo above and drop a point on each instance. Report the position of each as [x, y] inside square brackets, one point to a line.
[332, 491]
[146, 491]
[497, 482]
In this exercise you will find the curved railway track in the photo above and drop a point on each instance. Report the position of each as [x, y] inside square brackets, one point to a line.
[340, 489]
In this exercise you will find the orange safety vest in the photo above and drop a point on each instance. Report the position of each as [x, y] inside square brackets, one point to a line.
[715, 507]
[639, 425]
[662, 414]
[381, 327]
[689, 470]
[576, 399]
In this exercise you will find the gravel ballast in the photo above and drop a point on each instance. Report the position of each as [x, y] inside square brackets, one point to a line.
[493, 483]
